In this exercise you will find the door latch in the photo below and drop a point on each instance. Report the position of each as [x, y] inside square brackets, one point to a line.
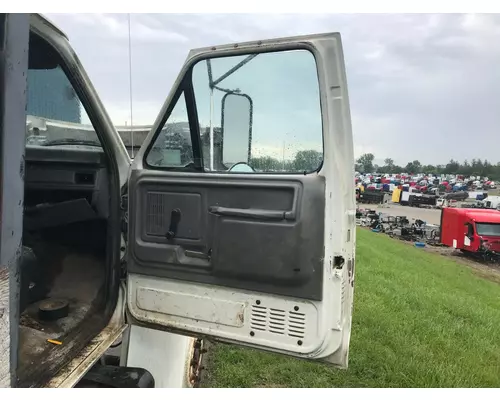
[175, 217]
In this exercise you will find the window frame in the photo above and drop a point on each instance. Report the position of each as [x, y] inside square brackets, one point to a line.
[186, 86]
[487, 224]
[76, 86]
[470, 230]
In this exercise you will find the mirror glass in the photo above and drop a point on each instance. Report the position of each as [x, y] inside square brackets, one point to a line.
[236, 129]
[241, 167]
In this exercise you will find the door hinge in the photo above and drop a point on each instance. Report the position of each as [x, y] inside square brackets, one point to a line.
[124, 202]
[123, 270]
[124, 229]
[124, 216]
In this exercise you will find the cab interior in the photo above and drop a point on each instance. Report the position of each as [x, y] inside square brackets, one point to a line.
[66, 272]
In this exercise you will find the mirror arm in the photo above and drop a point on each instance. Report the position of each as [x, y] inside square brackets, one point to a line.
[233, 70]
[210, 76]
[229, 91]
[213, 85]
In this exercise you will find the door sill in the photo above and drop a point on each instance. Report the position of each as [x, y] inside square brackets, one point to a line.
[71, 374]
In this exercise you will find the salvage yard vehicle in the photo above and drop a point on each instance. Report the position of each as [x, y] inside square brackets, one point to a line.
[184, 239]
[418, 199]
[492, 202]
[471, 230]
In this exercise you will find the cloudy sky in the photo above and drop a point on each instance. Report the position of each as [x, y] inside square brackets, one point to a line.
[421, 86]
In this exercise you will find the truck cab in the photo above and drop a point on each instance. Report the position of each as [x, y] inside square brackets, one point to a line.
[471, 230]
[198, 235]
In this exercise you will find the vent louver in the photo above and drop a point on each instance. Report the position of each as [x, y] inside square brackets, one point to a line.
[155, 214]
[280, 322]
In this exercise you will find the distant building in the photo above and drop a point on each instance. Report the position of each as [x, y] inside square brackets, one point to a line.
[50, 95]
[175, 136]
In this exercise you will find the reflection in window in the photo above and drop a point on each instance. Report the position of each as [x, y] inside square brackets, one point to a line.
[484, 229]
[279, 130]
[55, 115]
[172, 147]
[50, 95]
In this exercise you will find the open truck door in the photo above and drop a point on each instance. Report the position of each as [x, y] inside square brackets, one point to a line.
[241, 208]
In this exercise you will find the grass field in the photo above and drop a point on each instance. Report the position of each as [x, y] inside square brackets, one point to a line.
[420, 320]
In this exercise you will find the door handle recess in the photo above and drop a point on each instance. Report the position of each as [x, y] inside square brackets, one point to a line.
[251, 213]
[175, 218]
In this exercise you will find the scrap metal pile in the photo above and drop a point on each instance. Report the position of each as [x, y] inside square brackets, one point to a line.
[399, 227]
[422, 233]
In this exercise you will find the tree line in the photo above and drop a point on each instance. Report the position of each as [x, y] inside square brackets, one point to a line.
[476, 167]
[310, 160]
[305, 160]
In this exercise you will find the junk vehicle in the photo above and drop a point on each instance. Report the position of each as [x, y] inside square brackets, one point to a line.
[183, 243]
[492, 202]
[412, 197]
[474, 204]
[374, 197]
[471, 230]
[417, 200]
[458, 196]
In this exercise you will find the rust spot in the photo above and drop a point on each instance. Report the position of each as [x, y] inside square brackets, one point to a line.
[350, 270]
[241, 317]
[195, 364]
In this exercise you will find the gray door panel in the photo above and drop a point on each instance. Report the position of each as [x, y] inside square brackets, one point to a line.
[235, 232]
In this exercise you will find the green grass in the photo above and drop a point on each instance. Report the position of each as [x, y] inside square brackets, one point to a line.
[420, 320]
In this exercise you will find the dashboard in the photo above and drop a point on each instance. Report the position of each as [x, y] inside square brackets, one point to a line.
[60, 173]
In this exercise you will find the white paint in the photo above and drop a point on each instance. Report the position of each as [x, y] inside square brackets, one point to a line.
[473, 195]
[214, 310]
[466, 241]
[199, 311]
[405, 196]
[328, 323]
[454, 243]
[163, 354]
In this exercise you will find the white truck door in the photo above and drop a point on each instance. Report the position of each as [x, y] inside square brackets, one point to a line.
[241, 201]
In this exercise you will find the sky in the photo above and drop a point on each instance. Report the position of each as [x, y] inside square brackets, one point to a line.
[421, 86]
[283, 100]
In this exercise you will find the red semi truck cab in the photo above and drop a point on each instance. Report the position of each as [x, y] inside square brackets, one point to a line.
[472, 230]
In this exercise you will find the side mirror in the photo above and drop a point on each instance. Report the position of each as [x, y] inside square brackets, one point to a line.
[241, 167]
[236, 121]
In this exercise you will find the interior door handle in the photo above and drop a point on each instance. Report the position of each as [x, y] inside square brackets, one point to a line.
[250, 213]
[175, 217]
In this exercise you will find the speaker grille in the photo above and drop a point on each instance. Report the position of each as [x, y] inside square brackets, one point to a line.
[156, 223]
